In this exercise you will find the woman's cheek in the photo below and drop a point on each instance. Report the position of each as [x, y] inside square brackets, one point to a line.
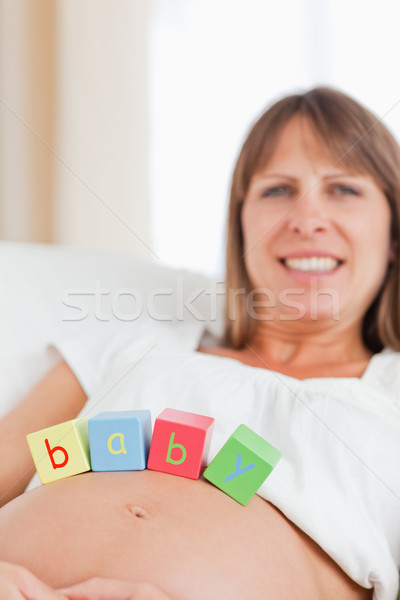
[261, 224]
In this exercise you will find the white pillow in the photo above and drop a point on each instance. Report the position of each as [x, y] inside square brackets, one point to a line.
[54, 293]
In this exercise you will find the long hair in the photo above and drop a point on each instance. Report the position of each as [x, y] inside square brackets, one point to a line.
[349, 133]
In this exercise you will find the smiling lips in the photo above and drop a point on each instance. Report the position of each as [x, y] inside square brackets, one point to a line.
[314, 264]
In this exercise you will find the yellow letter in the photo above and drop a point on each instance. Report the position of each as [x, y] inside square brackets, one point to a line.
[121, 438]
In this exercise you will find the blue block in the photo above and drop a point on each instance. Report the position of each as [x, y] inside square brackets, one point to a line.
[120, 440]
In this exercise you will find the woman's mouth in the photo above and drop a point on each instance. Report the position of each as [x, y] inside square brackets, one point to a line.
[311, 268]
[313, 264]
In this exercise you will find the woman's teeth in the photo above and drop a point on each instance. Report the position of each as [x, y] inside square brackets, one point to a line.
[311, 264]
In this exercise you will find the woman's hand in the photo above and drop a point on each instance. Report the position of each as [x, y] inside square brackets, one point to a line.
[99, 588]
[17, 583]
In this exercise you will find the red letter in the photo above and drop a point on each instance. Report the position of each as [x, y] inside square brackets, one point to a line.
[51, 452]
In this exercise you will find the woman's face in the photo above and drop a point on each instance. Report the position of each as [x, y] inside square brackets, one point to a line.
[316, 236]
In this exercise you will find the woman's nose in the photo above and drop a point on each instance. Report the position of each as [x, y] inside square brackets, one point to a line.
[308, 216]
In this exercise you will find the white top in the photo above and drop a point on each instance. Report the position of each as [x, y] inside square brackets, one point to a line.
[339, 476]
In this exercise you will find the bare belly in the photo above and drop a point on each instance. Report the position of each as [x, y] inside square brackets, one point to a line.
[185, 536]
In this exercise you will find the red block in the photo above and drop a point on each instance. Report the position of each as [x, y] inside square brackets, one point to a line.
[180, 443]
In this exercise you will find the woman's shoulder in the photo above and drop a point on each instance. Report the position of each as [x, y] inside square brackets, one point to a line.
[225, 352]
[385, 369]
[216, 350]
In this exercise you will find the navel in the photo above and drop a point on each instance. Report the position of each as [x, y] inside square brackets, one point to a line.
[136, 511]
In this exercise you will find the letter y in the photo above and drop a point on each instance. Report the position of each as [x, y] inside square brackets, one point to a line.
[238, 469]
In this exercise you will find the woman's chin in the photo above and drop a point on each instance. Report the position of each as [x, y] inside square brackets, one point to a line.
[306, 315]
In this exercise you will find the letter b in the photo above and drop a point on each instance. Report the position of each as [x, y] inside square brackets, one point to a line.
[51, 452]
[53, 461]
[171, 446]
[187, 458]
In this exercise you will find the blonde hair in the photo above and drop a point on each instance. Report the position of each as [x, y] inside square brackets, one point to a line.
[351, 133]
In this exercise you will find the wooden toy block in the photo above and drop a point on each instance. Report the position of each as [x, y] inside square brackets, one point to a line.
[120, 440]
[180, 444]
[242, 464]
[61, 451]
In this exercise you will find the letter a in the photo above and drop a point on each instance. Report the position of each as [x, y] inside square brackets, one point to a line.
[171, 446]
[51, 452]
[238, 470]
[121, 441]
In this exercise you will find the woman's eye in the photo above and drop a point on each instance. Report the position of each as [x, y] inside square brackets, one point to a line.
[278, 190]
[344, 189]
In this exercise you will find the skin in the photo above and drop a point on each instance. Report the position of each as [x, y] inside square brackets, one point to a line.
[301, 201]
[130, 526]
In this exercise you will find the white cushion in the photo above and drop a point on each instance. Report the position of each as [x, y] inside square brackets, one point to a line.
[54, 293]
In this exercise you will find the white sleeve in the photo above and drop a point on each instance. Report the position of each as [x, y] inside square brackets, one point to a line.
[96, 353]
[89, 352]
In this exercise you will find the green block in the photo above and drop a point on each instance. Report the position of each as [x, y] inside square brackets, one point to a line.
[242, 464]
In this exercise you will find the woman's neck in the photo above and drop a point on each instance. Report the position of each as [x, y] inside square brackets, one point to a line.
[293, 350]
[301, 356]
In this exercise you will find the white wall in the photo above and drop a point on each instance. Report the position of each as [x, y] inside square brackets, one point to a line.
[74, 123]
[101, 189]
[26, 105]
[121, 121]
[216, 65]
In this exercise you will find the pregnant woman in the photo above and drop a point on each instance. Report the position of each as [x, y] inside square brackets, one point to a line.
[309, 359]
